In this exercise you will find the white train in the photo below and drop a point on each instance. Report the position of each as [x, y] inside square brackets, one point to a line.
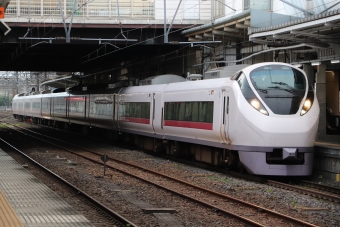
[263, 118]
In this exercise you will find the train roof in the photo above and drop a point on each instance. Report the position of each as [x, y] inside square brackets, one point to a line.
[198, 85]
[161, 79]
[223, 72]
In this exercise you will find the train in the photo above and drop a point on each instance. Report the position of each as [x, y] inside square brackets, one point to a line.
[263, 118]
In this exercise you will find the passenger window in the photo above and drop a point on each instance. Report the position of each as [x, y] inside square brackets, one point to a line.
[195, 111]
[181, 112]
[170, 111]
[201, 112]
[188, 111]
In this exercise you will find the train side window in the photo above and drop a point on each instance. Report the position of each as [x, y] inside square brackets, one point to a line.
[188, 111]
[148, 110]
[135, 109]
[181, 111]
[126, 112]
[45, 105]
[27, 105]
[243, 82]
[195, 111]
[169, 111]
[145, 110]
[201, 112]
[142, 110]
[209, 112]
[36, 105]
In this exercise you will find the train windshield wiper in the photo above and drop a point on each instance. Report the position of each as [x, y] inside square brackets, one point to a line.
[291, 89]
[280, 88]
[257, 88]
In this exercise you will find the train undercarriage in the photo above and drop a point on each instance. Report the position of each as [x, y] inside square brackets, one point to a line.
[187, 151]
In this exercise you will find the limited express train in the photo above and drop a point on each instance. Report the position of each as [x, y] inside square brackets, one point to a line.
[263, 118]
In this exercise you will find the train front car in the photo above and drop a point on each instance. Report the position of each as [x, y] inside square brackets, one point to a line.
[280, 115]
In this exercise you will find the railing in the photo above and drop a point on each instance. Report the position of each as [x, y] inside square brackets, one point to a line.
[84, 8]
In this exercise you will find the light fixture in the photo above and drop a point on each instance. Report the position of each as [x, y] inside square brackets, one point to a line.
[306, 107]
[297, 65]
[335, 61]
[316, 63]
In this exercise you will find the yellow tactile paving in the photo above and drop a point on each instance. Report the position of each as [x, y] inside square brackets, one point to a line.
[8, 217]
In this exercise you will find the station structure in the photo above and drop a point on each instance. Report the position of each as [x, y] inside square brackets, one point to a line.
[181, 37]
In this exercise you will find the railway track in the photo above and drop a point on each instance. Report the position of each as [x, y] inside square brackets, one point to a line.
[318, 191]
[112, 218]
[251, 214]
[320, 187]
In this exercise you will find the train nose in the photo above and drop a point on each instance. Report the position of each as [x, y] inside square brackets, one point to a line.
[285, 132]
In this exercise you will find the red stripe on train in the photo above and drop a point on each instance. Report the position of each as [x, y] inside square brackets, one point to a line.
[136, 120]
[189, 124]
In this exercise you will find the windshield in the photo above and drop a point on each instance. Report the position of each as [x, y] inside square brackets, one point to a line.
[281, 87]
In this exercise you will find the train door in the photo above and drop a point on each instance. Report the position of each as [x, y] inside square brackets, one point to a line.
[86, 98]
[67, 99]
[41, 114]
[157, 114]
[52, 107]
[153, 111]
[49, 107]
[225, 119]
[114, 98]
[115, 110]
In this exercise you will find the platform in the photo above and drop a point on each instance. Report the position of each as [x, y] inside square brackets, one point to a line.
[26, 202]
[326, 160]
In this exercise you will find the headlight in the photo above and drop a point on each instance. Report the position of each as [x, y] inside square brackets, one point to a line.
[307, 103]
[255, 103]
[306, 106]
[258, 106]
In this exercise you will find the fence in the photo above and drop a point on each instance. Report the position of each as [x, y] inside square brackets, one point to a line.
[84, 8]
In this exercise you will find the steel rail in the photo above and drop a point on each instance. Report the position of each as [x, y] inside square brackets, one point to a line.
[177, 180]
[321, 186]
[101, 206]
[302, 190]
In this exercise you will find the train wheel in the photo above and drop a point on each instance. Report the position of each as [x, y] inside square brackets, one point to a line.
[232, 160]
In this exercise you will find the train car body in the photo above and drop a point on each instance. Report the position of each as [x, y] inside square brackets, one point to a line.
[263, 118]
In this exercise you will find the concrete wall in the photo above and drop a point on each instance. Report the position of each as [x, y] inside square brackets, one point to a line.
[320, 88]
[326, 162]
[332, 92]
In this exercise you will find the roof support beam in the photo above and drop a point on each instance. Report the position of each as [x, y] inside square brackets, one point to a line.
[217, 32]
[190, 39]
[242, 26]
[198, 37]
[208, 35]
[247, 22]
[226, 34]
[228, 29]
[309, 34]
